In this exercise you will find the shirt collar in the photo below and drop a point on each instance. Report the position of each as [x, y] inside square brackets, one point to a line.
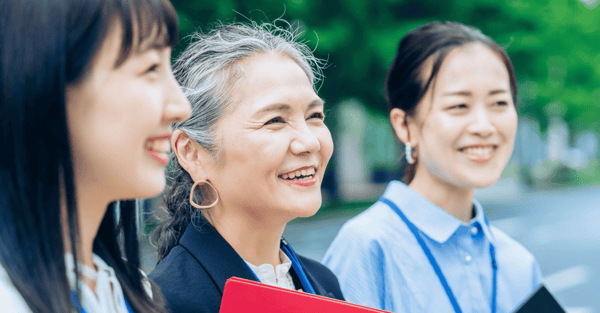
[108, 295]
[482, 220]
[429, 218]
[285, 265]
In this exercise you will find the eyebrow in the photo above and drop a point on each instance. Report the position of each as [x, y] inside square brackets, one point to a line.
[283, 107]
[153, 46]
[469, 94]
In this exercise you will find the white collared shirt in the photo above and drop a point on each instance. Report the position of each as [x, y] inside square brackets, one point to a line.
[109, 295]
[279, 276]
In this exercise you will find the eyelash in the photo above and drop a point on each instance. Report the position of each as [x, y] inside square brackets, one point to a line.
[458, 106]
[318, 115]
[463, 106]
[153, 68]
[280, 119]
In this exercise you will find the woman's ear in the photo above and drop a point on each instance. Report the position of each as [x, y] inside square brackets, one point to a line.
[399, 124]
[190, 155]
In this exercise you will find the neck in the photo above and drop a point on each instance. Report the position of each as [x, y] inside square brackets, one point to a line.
[253, 236]
[453, 199]
[90, 211]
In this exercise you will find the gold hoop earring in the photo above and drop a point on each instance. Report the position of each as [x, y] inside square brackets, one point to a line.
[197, 206]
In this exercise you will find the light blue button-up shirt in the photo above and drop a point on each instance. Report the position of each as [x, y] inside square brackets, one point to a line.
[380, 264]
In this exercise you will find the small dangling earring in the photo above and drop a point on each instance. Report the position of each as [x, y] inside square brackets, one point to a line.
[197, 206]
[408, 153]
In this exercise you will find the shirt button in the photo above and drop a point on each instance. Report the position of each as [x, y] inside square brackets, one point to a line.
[468, 259]
[474, 230]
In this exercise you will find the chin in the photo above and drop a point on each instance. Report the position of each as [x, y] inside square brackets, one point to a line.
[152, 187]
[307, 209]
[482, 182]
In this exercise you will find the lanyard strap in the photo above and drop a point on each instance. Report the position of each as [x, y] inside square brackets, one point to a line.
[297, 267]
[76, 302]
[287, 249]
[435, 265]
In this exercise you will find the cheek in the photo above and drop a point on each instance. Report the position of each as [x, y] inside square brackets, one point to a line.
[440, 134]
[127, 119]
[255, 154]
[508, 125]
[326, 141]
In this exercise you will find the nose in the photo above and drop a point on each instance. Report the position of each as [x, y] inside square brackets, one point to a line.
[178, 107]
[481, 123]
[305, 142]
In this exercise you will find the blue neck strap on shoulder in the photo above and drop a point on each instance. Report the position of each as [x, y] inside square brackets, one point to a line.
[436, 267]
[287, 249]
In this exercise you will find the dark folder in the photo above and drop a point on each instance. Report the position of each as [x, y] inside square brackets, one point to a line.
[540, 301]
[242, 295]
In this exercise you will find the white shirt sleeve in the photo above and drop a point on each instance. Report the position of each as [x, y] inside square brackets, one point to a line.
[146, 283]
[11, 299]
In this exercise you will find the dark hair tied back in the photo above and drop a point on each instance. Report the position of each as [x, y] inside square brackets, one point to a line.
[406, 83]
[179, 211]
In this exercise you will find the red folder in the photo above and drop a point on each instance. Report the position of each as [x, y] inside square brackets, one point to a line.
[242, 295]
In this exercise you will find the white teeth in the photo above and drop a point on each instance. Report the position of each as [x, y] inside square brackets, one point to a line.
[308, 173]
[479, 150]
[161, 146]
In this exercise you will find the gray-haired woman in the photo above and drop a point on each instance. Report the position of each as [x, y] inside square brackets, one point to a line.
[250, 159]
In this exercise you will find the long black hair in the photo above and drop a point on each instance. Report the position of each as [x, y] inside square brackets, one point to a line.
[44, 47]
[406, 83]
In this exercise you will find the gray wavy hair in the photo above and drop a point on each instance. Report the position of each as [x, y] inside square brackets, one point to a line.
[207, 73]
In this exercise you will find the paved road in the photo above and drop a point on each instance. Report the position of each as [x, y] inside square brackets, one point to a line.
[560, 227]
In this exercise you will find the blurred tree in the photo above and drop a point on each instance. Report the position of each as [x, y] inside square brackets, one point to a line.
[553, 43]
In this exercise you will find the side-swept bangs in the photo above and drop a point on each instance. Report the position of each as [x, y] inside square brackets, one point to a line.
[147, 24]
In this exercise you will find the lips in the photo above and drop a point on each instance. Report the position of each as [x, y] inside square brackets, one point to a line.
[479, 153]
[306, 172]
[159, 147]
[304, 176]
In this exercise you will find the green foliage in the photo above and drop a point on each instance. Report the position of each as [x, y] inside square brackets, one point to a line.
[553, 43]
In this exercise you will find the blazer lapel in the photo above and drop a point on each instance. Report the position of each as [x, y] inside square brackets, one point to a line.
[214, 254]
[319, 290]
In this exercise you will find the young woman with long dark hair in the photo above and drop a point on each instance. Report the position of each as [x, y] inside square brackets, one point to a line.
[427, 246]
[87, 99]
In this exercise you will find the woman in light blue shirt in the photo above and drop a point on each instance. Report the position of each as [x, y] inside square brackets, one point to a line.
[427, 246]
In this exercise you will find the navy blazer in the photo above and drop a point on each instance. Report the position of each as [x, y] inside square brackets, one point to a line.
[192, 276]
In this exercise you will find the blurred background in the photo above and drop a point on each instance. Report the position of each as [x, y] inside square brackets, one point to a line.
[549, 195]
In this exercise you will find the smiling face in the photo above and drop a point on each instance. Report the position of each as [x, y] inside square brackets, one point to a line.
[275, 145]
[465, 126]
[120, 122]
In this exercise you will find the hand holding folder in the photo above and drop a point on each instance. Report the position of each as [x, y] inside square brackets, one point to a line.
[242, 295]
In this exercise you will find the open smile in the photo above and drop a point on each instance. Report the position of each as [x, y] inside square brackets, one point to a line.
[159, 147]
[304, 176]
[479, 153]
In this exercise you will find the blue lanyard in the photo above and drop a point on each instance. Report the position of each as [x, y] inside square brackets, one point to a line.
[287, 249]
[435, 265]
[75, 301]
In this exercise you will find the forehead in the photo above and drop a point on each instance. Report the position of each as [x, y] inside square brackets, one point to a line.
[121, 43]
[473, 67]
[272, 78]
